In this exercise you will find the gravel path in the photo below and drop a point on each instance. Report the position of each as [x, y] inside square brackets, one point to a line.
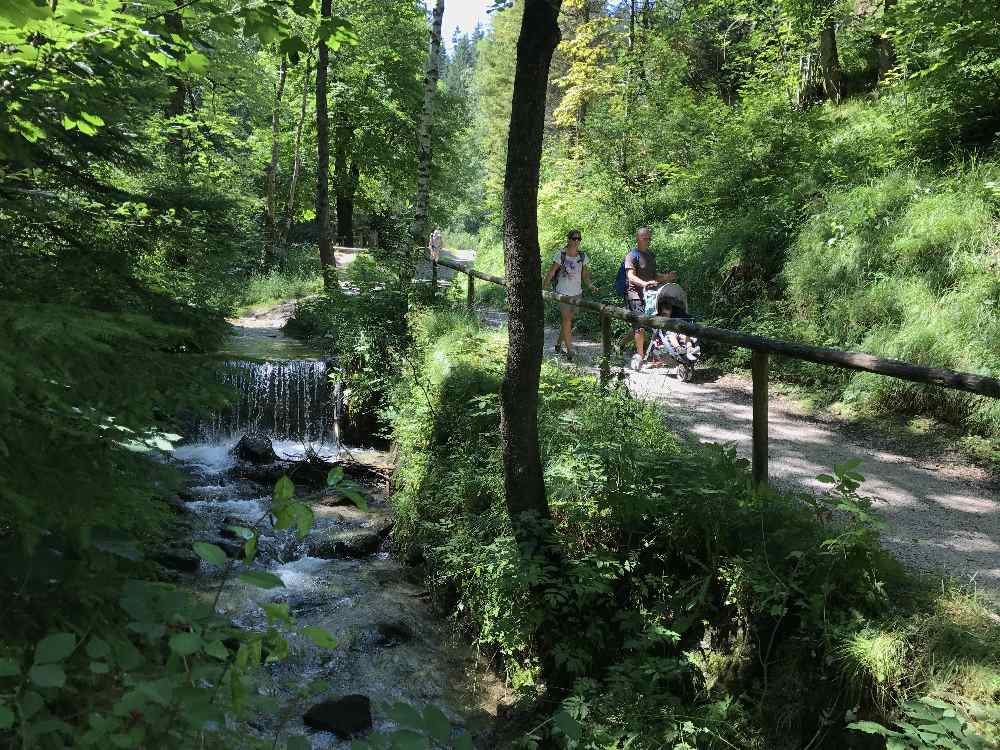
[943, 517]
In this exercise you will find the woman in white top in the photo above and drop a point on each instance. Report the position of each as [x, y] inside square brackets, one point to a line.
[572, 271]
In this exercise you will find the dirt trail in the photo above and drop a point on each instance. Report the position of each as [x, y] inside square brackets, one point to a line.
[943, 516]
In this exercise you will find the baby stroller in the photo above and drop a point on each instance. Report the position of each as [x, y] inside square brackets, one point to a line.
[677, 353]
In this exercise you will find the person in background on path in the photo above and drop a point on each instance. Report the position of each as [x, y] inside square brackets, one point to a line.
[571, 271]
[436, 243]
[640, 274]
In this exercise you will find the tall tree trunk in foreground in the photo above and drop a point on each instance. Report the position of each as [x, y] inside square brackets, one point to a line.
[270, 209]
[327, 259]
[524, 486]
[829, 60]
[293, 185]
[420, 229]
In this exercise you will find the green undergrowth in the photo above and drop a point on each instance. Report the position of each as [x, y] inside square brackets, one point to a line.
[296, 277]
[694, 611]
[829, 226]
[363, 328]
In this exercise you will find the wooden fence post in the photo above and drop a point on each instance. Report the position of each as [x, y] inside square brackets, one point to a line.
[605, 348]
[758, 369]
[470, 295]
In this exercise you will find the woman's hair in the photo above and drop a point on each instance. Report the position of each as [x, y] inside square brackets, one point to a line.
[571, 232]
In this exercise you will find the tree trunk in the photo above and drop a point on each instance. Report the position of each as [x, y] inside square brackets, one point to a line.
[345, 207]
[175, 107]
[524, 485]
[286, 224]
[346, 172]
[270, 209]
[829, 60]
[631, 24]
[420, 230]
[884, 49]
[327, 259]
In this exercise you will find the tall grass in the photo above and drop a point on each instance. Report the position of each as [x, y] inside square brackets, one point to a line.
[299, 276]
[906, 266]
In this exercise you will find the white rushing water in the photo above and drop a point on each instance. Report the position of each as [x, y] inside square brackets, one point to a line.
[295, 403]
[291, 400]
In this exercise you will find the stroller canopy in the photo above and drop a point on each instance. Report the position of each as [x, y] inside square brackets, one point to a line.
[672, 294]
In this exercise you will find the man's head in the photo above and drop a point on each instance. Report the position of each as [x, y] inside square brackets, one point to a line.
[573, 237]
[643, 237]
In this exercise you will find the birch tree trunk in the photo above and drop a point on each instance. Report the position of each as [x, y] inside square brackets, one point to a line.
[270, 209]
[421, 229]
[327, 259]
[293, 185]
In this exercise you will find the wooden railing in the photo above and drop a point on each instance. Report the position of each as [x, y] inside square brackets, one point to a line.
[760, 346]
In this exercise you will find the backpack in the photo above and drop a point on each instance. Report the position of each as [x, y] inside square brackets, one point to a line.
[562, 261]
[621, 280]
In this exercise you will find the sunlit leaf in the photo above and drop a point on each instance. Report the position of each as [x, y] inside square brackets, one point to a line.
[210, 553]
[277, 612]
[261, 579]
[319, 636]
[284, 490]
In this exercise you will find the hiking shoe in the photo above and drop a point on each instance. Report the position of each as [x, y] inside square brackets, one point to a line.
[569, 355]
[557, 348]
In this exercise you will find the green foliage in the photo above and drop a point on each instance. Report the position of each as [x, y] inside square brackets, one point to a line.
[713, 605]
[868, 224]
[165, 671]
[930, 723]
[364, 331]
[901, 267]
[419, 730]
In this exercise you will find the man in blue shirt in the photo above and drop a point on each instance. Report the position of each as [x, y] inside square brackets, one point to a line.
[640, 274]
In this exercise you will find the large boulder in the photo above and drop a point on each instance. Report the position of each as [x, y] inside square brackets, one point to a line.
[336, 543]
[346, 717]
[178, 558]
[255, 448]
[389, 634]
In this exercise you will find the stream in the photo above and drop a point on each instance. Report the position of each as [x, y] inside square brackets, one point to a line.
[391, 645]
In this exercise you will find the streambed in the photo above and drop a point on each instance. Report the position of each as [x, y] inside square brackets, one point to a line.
[391, 645]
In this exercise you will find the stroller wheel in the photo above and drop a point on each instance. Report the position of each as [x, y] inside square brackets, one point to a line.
[685, 373]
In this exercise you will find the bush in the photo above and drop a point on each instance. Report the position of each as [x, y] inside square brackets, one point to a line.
[364, 332]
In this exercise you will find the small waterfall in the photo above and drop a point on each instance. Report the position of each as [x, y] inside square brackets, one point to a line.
[288, 400]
